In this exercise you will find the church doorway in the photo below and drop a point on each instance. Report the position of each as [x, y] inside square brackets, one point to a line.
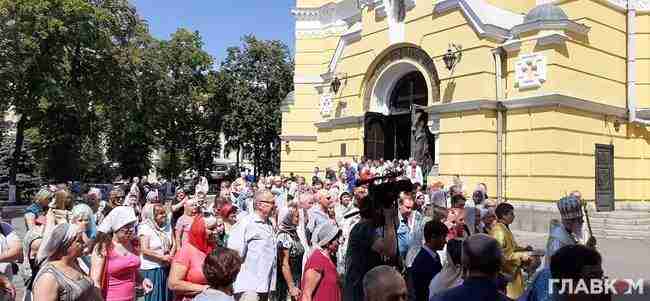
[389, 136]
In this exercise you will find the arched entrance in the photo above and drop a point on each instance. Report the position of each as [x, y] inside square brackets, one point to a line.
[389, 136]
[403, 76]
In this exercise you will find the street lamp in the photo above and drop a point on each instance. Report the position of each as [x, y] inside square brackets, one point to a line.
[453, 56]
[335, 85]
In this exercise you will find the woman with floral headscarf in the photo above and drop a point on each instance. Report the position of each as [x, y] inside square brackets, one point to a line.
[290, 254]
[157, 247]
[186, 277]
[61, 278]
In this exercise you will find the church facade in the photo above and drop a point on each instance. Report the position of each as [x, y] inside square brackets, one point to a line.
[535, 98]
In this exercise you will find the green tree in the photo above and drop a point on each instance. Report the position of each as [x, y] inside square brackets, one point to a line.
[57, 60]
[185, 123]
[260, 75]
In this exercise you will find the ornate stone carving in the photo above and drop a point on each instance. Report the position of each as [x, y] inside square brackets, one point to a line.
[326, 105]
[530, 71]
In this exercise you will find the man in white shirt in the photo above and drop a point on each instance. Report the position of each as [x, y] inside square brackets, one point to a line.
[256, 279]
[414, 173]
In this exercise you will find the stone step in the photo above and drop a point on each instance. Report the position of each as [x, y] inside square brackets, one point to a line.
[618, 221]
[627, 234]
[620, 227]
[620, 214]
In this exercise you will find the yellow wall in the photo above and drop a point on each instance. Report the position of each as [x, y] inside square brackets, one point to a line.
[518, 6]
[549, 151]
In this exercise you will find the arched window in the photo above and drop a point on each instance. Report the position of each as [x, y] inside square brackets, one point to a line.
[375, 141]
[410, 89]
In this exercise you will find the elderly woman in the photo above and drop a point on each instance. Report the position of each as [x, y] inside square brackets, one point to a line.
[157, 247]
[290, 254]
[186, 277]
[220, 269]
[116, 260]
[320, 280]
[61, 278]
[83, 217]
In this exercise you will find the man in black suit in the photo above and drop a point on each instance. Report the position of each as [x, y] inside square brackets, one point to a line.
[426, 264]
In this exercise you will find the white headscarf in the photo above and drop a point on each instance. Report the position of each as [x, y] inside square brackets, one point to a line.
[202, 186]
[58, 239]
[117, 218]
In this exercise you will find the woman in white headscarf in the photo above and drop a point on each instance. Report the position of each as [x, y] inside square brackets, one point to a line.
[115, 259]
[61, 278]
[157, 249]
[451, 274]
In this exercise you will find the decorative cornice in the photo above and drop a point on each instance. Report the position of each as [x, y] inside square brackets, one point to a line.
[562, 100]
[462, 106]
[332, 18]
[332, 123]
[307, 79]
[639, 5]
[537, 101]
[566, 25]
[298, 137]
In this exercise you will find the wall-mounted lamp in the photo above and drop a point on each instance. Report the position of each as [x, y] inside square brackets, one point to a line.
[617, 125]
[335, 85]
[453, 56]
[287, 147]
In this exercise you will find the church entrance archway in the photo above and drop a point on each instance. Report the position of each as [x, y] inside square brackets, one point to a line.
[388, 136]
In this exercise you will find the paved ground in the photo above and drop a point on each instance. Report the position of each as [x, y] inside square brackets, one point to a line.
[621, 258]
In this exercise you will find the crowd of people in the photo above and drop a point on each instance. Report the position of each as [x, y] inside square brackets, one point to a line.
[283, 238]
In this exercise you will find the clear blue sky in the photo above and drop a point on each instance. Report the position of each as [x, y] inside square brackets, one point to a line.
[221, 23]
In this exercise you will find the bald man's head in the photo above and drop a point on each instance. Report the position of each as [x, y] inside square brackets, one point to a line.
[384, 283]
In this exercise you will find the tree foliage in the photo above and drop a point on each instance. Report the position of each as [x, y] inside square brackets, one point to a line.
[94, 90]
[260, 75]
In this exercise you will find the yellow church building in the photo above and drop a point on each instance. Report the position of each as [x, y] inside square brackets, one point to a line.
[534, 98]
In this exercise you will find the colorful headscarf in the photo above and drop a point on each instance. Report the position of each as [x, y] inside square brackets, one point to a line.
[198, 232]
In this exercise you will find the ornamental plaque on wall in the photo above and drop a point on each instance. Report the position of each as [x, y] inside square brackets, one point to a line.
[530, 71]
[325, 105]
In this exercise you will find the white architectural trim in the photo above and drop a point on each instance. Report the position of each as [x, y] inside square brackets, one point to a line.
[621, 5]
[487, 20]
[352, 35]
[566, 25]
[330, 19]
[307, 79]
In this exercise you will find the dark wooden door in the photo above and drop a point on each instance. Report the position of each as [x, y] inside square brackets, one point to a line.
[604, 177]
[374, 136]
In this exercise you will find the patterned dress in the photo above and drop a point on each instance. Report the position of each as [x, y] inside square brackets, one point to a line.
[291, 242]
